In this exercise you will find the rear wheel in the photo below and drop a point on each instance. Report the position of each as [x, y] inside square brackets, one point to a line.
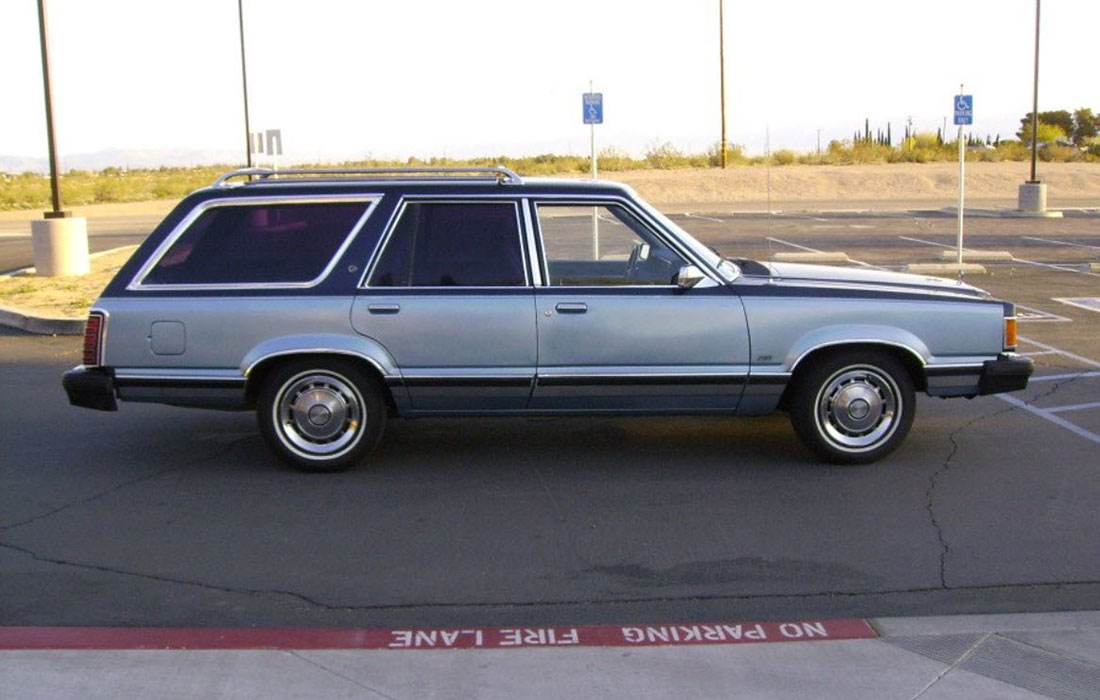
[853, 407]
[321, 415]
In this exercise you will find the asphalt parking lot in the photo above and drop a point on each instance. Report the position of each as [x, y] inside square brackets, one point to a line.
[164, 516]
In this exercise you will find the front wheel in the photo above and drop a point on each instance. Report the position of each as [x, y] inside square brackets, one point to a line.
[853, 407]
[320, 415]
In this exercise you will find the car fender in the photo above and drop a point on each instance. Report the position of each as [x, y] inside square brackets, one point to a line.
[848, 334]
[320, 344]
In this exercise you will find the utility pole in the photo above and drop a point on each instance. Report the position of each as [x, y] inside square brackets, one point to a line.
[55, 185]
[1035, 99]
[1032, 195]
[59, 241]
[244, 87]
[722, 73]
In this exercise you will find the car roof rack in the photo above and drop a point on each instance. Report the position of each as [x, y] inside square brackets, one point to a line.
[499, 173]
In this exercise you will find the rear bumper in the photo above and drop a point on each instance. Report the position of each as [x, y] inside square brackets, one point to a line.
[1006, 373]
[90, 387]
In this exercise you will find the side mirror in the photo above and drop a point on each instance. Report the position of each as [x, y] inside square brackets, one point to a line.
[689, 276]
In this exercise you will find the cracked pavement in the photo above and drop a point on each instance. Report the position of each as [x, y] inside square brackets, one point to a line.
[156, 515]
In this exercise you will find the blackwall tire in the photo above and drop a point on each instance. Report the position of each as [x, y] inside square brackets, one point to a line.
[853, 407]
[321, 415]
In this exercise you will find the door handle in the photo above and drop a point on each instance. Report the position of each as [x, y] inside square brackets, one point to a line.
[383, 308]
[571, 307]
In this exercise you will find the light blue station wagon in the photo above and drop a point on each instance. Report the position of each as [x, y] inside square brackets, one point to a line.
[332, 301]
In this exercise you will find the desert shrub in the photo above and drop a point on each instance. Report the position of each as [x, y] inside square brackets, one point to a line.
[784, 156]
[925, 140]
[1057, 153]
[1013, 150]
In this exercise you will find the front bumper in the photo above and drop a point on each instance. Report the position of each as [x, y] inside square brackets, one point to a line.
[90, 387]
[1007, 373]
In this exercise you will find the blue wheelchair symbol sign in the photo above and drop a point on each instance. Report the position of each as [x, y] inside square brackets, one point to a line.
[964, 109]
[593, 107]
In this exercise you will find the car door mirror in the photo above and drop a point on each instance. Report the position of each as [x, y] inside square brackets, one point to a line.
[689, 276]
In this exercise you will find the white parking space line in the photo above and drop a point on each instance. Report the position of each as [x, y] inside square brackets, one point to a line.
[1075, 407]
[1062, 377]
[1039, 352]
[795, 245]
[1062, 268]
[1050, 240]
[921, 240]
[1044, 346]
[1030, 314]
[1049, 416]
[815, 250]
[689, 215]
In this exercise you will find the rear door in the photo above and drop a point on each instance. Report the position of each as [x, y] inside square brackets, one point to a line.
[615, 332]
[450, 299]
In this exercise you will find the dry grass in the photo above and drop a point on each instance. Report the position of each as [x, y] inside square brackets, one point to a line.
[62, 297]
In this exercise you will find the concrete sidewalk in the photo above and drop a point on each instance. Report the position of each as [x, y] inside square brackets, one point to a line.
[1002, 657]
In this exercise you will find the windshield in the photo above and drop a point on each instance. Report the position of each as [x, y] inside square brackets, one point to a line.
[709, 256]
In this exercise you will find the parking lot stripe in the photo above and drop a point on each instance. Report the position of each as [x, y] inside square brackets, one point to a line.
[1062, 377]
[1047, 415]
[815, 250]
[1051, 240]
[1044, 346]
[303, 638]
[689, 215]
[1052, 266]
[1075, 407]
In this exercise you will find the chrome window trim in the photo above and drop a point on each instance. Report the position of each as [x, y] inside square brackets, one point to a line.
[534, 259]
[399, 210]
[138, 282]
[667, 237]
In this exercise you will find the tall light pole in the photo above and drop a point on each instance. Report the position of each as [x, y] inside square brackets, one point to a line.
[59, 240]
[55, 186]
[722, 73]
[244, 86]
[1032, 197]
[1035, 99]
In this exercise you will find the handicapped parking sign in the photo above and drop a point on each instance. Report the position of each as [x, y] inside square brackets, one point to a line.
[964, 109]
[593, 107]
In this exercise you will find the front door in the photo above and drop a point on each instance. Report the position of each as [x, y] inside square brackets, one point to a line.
[615, 332]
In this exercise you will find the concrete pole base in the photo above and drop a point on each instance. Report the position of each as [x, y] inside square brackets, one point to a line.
[1032, 197]
[60, 247]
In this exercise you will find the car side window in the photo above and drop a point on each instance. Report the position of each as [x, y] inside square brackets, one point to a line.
[437, 244]
[270, 244]
[603, 245]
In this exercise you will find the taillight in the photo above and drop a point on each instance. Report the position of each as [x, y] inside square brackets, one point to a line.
[93, 339]
[1010, 333]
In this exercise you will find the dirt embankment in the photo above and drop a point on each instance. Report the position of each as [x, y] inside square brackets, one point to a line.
[870, 186]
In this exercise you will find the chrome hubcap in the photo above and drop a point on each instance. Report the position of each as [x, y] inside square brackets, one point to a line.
[857, 408]
[319, 414]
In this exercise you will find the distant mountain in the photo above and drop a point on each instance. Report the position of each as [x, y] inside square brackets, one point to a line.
[121, 158]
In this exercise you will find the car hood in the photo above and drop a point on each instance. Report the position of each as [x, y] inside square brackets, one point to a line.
[863, 278]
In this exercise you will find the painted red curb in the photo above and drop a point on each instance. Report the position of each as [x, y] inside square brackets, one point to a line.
[215, 638]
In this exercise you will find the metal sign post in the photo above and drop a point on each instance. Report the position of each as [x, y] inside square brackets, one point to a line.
[592, 103]
[964, 114]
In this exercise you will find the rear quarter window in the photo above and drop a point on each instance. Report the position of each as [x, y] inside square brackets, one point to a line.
[255, 244]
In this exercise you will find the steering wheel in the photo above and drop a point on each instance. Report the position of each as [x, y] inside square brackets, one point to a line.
[634, 262]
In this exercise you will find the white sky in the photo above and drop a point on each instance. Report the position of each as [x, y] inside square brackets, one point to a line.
[352, 78]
